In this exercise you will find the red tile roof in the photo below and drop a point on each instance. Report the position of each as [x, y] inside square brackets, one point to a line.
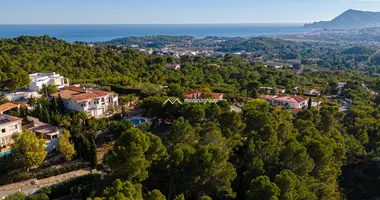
[285, 98]
[79, 95]
[196, 95]
[7, 118]
[7, 106]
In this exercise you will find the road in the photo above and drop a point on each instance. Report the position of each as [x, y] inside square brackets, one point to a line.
[29, 188]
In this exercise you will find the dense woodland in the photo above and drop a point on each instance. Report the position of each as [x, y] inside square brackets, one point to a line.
[332, 55]
[206, 151]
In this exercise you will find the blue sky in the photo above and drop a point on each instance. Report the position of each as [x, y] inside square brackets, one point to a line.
[175, 11]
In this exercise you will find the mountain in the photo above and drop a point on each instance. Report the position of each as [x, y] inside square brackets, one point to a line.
[350, 19]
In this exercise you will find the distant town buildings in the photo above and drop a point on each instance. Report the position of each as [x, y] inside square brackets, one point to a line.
[96, 103]
[287, 100]
[38, 80]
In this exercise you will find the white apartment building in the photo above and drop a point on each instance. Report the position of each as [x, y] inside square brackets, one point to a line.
[9, 126]
[96, 103]
[37, 80]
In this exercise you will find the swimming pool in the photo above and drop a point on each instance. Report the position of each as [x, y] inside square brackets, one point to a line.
[137, 122]
[5, 153]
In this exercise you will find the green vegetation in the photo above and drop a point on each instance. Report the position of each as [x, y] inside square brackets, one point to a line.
[64, 145]
[43, 173]
[28, 149]
[207, 151]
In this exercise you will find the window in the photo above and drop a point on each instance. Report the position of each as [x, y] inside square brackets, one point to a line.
[3, 130]
[13, 127]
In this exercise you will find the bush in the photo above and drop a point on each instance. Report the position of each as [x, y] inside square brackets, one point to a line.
[45, 173]
[84, 186]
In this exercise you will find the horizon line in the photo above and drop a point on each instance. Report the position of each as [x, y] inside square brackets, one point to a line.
[263, 23]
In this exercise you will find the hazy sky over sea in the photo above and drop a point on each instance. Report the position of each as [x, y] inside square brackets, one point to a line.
[175, 11]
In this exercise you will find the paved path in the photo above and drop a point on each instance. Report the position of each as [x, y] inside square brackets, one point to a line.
[31, 186]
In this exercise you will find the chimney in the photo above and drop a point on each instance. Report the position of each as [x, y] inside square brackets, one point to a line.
[84, 90]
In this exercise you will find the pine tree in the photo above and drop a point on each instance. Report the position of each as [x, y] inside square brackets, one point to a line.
[309, 103]
[54, 105]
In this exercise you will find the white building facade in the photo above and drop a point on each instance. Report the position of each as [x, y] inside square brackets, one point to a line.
[95, 103]
[38, 80]
[9, 126]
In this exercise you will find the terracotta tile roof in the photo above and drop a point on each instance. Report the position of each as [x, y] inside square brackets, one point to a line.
[84, 96]
[300, 99]
[171, 65]
[285, 98]
[7, 106]
[217, 95]
[7, 118]
[296, 110]
[79, 95]
[196, 95]
[193, 95]
[65, 94]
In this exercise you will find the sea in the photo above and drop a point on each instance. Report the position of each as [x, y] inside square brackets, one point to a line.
[101, 33]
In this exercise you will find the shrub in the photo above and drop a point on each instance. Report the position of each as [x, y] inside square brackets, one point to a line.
[44, 173]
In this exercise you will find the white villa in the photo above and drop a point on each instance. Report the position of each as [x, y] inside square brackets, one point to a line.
[9, 126]
[37, 80]
[48, 132]
[96, 103]
[287, 101]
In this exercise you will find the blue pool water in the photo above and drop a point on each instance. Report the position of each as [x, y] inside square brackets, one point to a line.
[5, 153]
[137, 122]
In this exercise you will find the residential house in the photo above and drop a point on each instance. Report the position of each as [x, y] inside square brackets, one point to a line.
[9, 126]
[295, 90]
[340, 87]
[266, 89]
[96, 103]
[282, 91]
[173, 66]
[9, 106]
[312, 92]
[46, 131]
[38, 80]
[198, 95]
[289, 101]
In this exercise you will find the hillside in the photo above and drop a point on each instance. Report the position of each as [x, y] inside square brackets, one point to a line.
[350, 19]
